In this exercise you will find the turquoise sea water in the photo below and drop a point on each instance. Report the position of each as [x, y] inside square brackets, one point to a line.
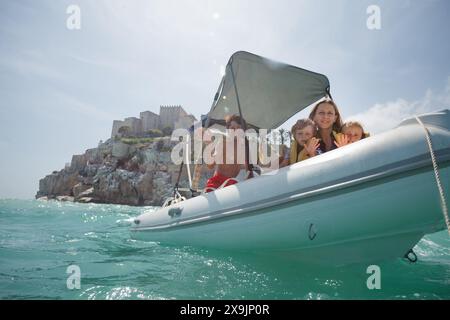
[39, 240]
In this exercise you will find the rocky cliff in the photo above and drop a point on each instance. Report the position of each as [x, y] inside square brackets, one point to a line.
[137, 174]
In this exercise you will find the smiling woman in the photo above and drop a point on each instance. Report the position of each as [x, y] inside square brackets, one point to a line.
[327, 117]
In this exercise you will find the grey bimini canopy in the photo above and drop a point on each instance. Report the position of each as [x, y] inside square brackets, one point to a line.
[266, 93]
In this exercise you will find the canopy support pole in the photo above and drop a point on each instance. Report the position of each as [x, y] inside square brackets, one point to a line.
[248, 166]
[237, 96]
[329, 93]
[175, 189]
[188, 162]
[216, 97]
[198, 166]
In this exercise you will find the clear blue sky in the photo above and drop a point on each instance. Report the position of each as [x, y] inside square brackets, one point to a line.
[60, 89]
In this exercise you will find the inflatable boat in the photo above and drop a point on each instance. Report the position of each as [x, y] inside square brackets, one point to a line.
[364, 202]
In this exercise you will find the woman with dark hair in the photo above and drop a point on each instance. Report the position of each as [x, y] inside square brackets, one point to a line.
[326, 116]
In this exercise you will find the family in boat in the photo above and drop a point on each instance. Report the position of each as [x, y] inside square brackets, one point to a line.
[321, 132]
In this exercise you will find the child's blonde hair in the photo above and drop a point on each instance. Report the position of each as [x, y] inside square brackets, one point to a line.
[295, 147]
[303, 123]
[350, 124]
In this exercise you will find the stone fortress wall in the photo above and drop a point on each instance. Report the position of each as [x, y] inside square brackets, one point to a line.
[169, 116]
[150, 120]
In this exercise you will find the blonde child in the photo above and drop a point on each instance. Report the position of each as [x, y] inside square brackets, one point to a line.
[304, 144]
[354, 131]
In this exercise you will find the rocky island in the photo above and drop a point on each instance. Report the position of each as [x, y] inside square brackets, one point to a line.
[133, 167]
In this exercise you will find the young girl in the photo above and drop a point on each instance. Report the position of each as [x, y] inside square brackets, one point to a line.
[354, 131]
[304, 143]
[328, 120]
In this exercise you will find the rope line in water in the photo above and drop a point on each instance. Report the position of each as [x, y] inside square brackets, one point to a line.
[436, 174]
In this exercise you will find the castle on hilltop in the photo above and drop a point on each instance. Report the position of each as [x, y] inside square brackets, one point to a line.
[174, 117]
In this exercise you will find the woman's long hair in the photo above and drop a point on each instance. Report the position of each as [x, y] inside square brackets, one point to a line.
[337, 125]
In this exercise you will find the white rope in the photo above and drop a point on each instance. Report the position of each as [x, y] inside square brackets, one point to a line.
[175, 199]
[436, 175]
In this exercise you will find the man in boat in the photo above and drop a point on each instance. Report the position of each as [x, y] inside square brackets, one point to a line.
[227, 170]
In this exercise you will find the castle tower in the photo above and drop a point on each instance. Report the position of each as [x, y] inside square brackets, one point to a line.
[168, 115]
[117, 124]
[149, 121]
[134, 124]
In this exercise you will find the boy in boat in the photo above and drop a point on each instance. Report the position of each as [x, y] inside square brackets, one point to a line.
[354, 131]
[304, 144]
[226, 173]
